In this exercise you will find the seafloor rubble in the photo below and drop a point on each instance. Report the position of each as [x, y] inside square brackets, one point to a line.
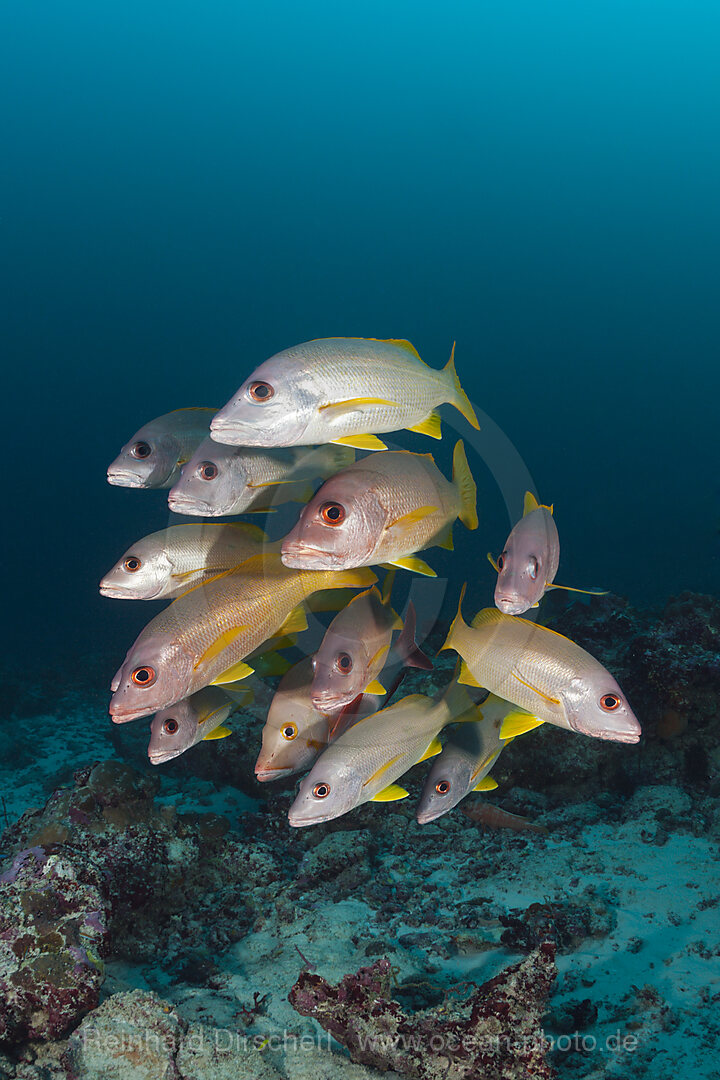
[154, 922]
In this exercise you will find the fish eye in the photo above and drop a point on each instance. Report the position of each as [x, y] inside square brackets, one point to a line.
[442, 787]
[141, 450]
[207, 470]
[321, 791]
[260, 391]
[500, 562]
[131, 564]
[533, 567]
[344, 663]
[144, 676]
[332, 513]
[289, 731]
[170, 726]
[610, 702]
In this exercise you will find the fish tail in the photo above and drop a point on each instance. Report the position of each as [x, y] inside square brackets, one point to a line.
[460, 399]
[458, 624]
[463, 480]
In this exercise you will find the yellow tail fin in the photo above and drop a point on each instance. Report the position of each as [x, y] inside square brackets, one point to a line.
[463, 480]
[460, 399]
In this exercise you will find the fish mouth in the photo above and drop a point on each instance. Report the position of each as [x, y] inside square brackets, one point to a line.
[297, 821]
[231, 432]
[263, 775]
[299, 555]
[159, 758]
[117, 592]
[327, 703]
[123, 478]
[621, 736]
[183, 504]
[510, 605]
[120, 715]
[428, 816]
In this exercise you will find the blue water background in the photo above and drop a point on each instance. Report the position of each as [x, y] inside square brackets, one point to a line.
[185, 189]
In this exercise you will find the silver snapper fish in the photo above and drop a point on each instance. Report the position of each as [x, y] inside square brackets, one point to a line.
[167, 563]
[355, 647]
[381, 510]
[196, 718]
[364, 763]
[155, 454]
[205, 635]
[528, 564]
[221, 480]
[295, 732]
[467, 757]
[340, 390]
[543, 673]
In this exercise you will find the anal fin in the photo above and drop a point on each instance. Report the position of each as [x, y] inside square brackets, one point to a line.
[429, 426]
[434, 748]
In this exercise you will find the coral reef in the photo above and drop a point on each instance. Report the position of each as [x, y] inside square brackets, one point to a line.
[500, 1038]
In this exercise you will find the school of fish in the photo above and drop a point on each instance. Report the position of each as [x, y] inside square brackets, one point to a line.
[239, 601]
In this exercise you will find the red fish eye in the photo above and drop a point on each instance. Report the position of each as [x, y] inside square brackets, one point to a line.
[321, 791]
[207, 470]
[442, 787]
[132, 563]
[533, 567]
[332, 513]
[344, 663]
[500, 562]
[610, 702]
[260, 391]
[289, 731]
[170, 726]
[141, 450]
[144, 676]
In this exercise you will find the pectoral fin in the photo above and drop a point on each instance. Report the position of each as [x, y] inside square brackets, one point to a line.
[536, 690]
[337, 408]
[493, 563]
[361, 442]
[411, 562]
[392, 793]
[586, 592]
[413, 517]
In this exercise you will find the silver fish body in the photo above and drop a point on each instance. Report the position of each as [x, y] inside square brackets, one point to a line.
[381, 510]
[529, 561]
[221, 480]
[334, 388]
[373, 753]
[169, 562]
[204, 634]
[543, 673]
[157, 451]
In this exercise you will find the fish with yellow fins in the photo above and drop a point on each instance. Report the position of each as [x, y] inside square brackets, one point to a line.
[295, 732]
[221, 480]
[342, 390]
[529, 561]
[543, 673]
[468, 755]
[364, 763]
[383, 509]
[206, 635]
[196, 718]
[157, 451]
[169, 562]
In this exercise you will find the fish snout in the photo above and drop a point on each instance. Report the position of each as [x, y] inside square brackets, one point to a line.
[124, 478]
[268, 773]
[185, 504]
[511, 605]
[301, 556]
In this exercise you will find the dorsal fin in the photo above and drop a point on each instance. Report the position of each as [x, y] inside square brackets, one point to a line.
[402, 343]
[530, 503]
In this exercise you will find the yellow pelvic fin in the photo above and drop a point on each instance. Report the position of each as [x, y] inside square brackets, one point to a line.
[486, 784]
[238, 671]
[586, 592]
[457, 622]
[467, 678]
[295, 622]
[412, 517]
[518, 723]
[429, 426]
[272, 663]
[460, 399]
[361, 442]
[355, 403]
[220, 643]
[536, 690]
[434, 748]
[375, 687]
[217, 733]
[392, 793]
[388, 585]
[447, 540]
[493, 562]
[463, 480]
[411, 562]
[331, 599]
